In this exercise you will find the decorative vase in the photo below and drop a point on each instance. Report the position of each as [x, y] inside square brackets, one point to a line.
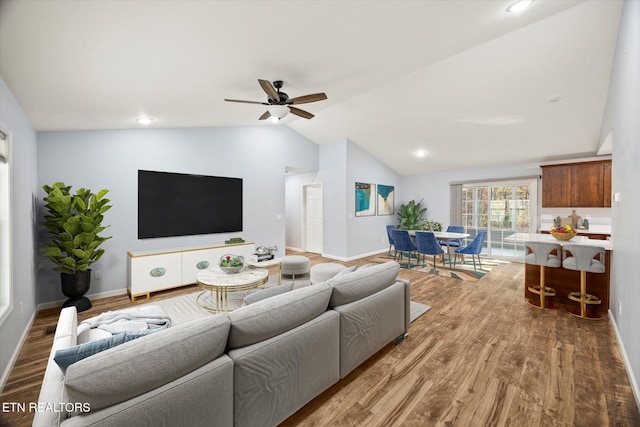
[74, 286]
[231, 264]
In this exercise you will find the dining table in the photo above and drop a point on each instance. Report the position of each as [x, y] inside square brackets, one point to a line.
[447, 237]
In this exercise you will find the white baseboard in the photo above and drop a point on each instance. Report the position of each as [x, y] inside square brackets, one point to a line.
[291, 248]
[16, 352]
[353, 258]
[627, 363]
[59, 303]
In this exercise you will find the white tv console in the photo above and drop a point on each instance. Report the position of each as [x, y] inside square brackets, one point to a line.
[156, 270]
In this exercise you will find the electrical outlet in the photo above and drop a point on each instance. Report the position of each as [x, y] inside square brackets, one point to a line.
[619, 308]
[97, 274]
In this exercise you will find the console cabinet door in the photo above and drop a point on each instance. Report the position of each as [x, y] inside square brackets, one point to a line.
[195, 261]
[607, 184]
[155, 272]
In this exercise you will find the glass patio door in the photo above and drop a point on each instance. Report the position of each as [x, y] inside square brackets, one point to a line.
[501, 209]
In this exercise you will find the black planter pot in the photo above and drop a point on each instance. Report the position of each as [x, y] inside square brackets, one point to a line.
[74, 286]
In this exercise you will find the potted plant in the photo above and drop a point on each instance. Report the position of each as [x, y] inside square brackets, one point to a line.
[74, 223]
[410, 215]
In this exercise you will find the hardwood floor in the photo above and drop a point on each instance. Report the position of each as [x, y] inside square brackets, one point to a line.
[481, 356]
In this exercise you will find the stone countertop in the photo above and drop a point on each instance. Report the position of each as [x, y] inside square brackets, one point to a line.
[577, 240]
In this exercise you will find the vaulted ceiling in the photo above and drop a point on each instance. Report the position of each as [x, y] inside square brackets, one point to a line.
[464, 80]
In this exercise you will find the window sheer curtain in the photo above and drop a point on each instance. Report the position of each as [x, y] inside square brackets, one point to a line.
[455, 210]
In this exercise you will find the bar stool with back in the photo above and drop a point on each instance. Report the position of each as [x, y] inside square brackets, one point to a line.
[542, 254]
[584, 260]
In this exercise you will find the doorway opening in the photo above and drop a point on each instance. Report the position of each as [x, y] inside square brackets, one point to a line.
[312, 218]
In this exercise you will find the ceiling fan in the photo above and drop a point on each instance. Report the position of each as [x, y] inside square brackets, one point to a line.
[279, 102]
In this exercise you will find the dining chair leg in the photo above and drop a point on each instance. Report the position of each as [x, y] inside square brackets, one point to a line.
[473, 257]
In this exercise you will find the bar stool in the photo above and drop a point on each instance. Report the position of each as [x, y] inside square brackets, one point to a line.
[583, 260]
[541, 254]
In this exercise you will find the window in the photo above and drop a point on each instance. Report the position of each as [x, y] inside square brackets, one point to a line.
[501, 209]
[6, 302]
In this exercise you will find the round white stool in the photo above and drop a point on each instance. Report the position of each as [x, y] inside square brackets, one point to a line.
[325, 271]
[293, 265]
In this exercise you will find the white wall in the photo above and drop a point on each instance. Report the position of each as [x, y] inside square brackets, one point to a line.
[621, 117]
[24, 187]
[111, 159]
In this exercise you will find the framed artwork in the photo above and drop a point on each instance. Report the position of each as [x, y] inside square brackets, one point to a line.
[385, 199]
[365, 199]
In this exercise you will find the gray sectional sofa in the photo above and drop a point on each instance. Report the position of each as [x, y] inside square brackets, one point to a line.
[255, 366]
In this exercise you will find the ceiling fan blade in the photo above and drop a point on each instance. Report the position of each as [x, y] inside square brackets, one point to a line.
[307, 98]
[271, 92]
[265, 116]
[301, 113]
[246, 102]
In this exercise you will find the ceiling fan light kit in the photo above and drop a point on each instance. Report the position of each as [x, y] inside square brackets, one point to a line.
[279, 102]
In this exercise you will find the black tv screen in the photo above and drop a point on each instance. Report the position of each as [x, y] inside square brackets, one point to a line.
[176, 204]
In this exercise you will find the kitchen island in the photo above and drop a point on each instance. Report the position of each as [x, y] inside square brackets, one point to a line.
[565, 281]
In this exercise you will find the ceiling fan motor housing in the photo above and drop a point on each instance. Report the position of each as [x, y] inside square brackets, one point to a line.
[283, 96]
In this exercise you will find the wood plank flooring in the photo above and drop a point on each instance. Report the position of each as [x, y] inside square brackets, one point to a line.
[481, 357]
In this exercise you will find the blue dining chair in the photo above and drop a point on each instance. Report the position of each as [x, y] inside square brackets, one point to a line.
[402, 242]
[390, 228]
[428, 245]
[453, 243]
[474, 248]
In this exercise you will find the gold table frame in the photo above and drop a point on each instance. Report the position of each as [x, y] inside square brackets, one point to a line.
[215, 280]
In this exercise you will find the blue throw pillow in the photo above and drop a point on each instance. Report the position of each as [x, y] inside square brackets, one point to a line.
[67, 356]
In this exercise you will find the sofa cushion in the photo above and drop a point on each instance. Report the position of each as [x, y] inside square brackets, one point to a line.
[347, 270]
[273, 316]
[68, 356]
[267, 293]
[362, 283]
[141, 365]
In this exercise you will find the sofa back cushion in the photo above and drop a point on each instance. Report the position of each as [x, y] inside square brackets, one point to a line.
[138, 366]
[362, 283]
[270, 317]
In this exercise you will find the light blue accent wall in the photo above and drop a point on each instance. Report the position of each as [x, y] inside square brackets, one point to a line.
[24, 187]
[111, 159]
[621, 117]
[333, 175]
[368, 234]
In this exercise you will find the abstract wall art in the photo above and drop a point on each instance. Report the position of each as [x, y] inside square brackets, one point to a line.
[385, 199]
[365, 199]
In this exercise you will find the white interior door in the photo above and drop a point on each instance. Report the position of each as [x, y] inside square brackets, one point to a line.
[313, 226]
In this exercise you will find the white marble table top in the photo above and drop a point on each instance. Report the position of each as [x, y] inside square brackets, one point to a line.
[213, 276]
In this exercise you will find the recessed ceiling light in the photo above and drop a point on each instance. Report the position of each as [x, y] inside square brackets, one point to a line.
[420, 153]
[144, 120]
[519, 6]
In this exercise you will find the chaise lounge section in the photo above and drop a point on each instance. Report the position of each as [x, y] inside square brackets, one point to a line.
[254, 367]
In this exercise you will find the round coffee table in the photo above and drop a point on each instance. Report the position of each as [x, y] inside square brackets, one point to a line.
[215, 280]
[266, 264]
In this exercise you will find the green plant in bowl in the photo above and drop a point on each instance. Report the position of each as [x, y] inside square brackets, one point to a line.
[231, 263]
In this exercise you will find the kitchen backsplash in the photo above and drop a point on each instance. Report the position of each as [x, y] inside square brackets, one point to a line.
[599, 218]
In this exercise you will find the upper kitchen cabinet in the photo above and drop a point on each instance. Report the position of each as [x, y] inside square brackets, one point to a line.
[584, 185]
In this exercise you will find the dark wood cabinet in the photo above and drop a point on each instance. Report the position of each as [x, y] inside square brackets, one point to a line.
[585, 185]
[607, 184]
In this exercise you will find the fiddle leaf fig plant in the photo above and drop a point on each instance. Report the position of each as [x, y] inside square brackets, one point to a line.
[410, 215]
[74, 222]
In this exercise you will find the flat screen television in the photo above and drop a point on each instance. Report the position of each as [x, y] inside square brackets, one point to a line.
[177, 204]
